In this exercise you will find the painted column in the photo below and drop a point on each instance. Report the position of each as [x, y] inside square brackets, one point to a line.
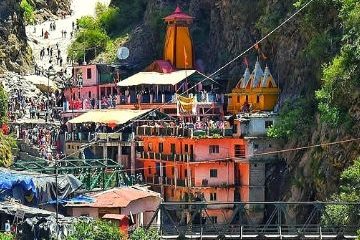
[161, 179]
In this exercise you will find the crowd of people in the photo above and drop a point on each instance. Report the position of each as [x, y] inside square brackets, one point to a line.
[43, 138]
[36, 107]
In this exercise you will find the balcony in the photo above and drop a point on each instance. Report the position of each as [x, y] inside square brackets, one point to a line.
[167, 157]
[132, 99]
[189, 131]
[101, 137]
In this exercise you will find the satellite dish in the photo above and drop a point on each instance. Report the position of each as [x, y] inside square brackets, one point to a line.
[123, 53]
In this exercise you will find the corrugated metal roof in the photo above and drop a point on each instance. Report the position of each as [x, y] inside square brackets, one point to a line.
[178, 15]
[117, 198]
[117, 116]
[155, 78]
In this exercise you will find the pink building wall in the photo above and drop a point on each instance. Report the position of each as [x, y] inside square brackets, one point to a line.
[146, 205]
[88, 80]
[225, 173]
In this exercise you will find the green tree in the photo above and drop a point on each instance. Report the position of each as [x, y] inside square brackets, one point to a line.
[295, 117]
[143, 234]
[96, 230]
[341, 77]
[349, 192]
[3, 105]
[28, 11]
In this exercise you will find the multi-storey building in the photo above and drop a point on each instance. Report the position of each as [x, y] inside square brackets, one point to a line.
[214, 166]
[90, 83]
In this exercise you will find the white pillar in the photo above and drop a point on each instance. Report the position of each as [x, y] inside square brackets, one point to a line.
[105, 151]
[133, 157]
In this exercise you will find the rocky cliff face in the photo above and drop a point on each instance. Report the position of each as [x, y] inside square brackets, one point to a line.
[15, 54]
[46, 10]
[222, 30]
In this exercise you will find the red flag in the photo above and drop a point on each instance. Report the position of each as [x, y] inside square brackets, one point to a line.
[246, 62]
[185, 58]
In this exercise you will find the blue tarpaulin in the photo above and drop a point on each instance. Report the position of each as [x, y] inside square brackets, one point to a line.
[9, 180]
[75, 200]
[33, 188]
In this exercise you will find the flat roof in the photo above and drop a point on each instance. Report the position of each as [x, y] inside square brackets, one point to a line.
[155, 78]
[117, 116]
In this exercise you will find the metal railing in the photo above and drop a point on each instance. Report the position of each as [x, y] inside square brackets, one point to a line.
[167, 157]
[183, 132]
[254, 220]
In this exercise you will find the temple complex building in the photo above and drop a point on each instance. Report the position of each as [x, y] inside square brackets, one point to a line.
[172, 83]
[257, 91]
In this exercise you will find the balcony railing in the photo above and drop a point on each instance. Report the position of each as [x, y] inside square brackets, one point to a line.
[184, 132]
[105, 137]
[167, 157]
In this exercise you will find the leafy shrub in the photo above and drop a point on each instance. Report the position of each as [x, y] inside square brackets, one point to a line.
[143, 234]
[96, 230]
[349, 192]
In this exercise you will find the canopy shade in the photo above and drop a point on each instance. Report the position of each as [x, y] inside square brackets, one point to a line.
[118, 116]
[155, 78]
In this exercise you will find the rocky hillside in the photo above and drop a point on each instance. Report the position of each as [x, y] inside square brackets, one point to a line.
[15, 54]
[225, 28]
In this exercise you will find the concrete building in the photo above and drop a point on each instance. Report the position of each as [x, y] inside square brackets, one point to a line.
[136, 204]
[94, 81]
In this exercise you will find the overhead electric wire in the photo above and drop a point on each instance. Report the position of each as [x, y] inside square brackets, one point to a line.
[237, 159]
[207, 77]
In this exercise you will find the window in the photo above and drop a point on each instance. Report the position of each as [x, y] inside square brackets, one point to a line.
[268, 124]
[69, 146]
[213, 173]
[256, 146]
[213, 219]
[88, 73]
[213, 149]
[238, 99]
[185, 173]
[89, 94]
[213, 196]
[186, 148]
[247, 98]
[150, 148]
[240, 151]
[161, 147]
[173, 150]
[258, 99]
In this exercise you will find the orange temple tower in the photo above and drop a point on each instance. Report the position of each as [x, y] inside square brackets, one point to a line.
[178, 49]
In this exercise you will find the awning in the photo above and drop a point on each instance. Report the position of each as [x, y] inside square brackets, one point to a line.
[117, 116]
[155, 78]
